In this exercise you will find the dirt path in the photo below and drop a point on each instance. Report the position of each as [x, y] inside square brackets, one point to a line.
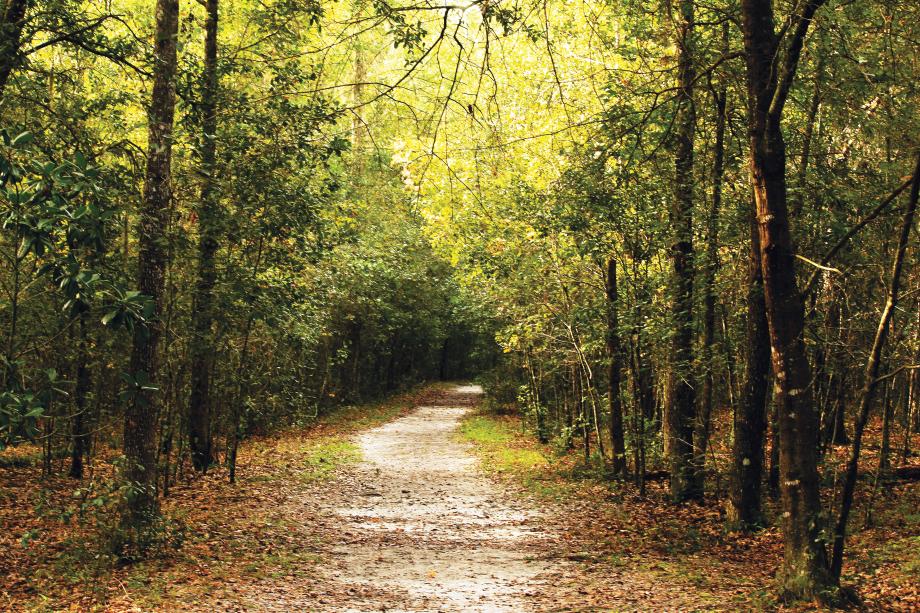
[416, 526]
[351, 515]
[426, 530]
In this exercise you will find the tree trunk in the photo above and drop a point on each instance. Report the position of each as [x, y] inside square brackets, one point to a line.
[202, 349]
[11, 38]
[445, 354]
[615, 353]
[143, 409]
[805, 572]
[751, 420]
[704, 413]
[358, 126]
[798, 198]
[681, 410]
[884, 455]
[81, 389]
[871, 377]
[835, 428]
[242, 374]
[913, 391]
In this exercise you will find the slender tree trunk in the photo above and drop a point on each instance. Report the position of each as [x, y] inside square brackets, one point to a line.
[583, 417]
[615, 353]
[913, 391]
[202, 349]
[14, 13]
[81, 389]
[798, 198]
[751, 420]
[805, 572]
[445, 354]
[10, 376]
[871, 377]
[681, 411]
[704, 413]
[643, 376]
[835, 428]
[242, 376]
[359, 129]
[142, 411]
[884, 455]
[773, 477]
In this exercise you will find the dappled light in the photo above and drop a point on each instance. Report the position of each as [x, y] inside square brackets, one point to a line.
[499, 305]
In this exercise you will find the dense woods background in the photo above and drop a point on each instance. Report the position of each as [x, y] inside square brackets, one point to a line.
[678, 237]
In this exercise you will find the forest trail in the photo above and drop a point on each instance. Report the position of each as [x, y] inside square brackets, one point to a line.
[416, 526]
[426, 530]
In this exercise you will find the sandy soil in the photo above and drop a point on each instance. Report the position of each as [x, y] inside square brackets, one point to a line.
[416, 526]
[429, 531]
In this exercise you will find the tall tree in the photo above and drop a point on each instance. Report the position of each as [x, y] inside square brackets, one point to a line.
[144, 402]
[772, 60]
[82, 377]
[202, 349]
[704, 413]
[615, 353]
[744, 511]
[681, 412]
[11, 24]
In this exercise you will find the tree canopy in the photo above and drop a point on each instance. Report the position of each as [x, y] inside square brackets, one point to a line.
[677, 238]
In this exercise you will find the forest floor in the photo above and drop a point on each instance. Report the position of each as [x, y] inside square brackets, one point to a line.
[421, 503]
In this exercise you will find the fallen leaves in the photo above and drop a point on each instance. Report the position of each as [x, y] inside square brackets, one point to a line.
[270, 540]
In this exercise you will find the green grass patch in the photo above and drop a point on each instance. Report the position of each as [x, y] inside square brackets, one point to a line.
[325, 455]
[521, 458]
[485, 430]
[502, 447]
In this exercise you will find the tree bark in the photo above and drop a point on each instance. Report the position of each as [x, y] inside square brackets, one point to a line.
[615, 353]
[884, 455]
[871, 377]
[835, 429]
[805, 572]
[81, 389]
[142, 411]
[11, 38]
[681, 413]
[202, 350]
[704, 413]
[750, 424]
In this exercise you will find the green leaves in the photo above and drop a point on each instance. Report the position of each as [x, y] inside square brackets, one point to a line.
[126, 308]
[19, 412]
[138, 387]
[20, 141]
